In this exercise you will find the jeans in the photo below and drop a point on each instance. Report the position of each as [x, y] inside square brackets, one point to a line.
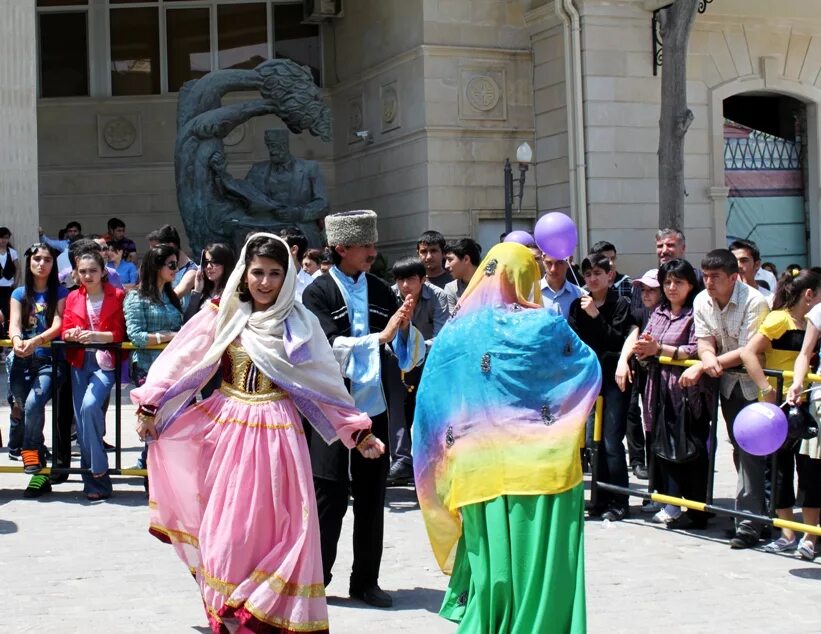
[90, 388]
[750, 488]
[30, 382]
[612, 463]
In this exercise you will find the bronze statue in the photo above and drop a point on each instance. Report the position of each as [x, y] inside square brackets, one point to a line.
[217, 207]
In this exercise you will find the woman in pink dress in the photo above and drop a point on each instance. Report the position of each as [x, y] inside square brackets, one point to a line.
[231, 485]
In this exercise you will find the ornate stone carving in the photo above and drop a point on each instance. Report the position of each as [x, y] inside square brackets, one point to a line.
[235, 136]
[390, 107]
[482, 93]
[119, 135]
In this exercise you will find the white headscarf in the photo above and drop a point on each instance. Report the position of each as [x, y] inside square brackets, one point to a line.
[285, 341]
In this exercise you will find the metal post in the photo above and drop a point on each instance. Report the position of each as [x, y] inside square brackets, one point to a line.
[55, 397]
[779, 392]
[118, 447]
[712, 448]
[508, 197]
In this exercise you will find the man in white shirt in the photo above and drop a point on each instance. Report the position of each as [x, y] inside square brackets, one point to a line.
[557, 292]
[727, 315]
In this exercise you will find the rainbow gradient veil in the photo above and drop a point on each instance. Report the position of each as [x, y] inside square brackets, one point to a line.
[504, 397]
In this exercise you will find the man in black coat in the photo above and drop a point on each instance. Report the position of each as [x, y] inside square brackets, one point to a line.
[367, 327]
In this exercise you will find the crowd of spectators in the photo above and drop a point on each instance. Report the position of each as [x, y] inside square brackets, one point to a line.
[727, 311]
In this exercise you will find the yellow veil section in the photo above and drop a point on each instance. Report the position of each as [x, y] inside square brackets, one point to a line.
[508, 274]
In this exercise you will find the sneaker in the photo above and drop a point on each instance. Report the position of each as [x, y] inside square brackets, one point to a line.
[666, 515]
[14, 454]
[781, 545]
[38, 485]
[806, 550]
[615, 513]
[744, 538]
[648, 506]
[31, 461]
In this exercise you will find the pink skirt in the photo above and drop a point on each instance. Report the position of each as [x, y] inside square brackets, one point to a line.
[232, 491]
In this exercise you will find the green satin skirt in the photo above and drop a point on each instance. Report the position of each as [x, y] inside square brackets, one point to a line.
[519, 566]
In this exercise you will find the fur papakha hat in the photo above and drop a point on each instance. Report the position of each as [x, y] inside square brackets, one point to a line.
[351, 228]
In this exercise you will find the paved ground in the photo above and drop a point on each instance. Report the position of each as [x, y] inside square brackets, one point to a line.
[69, 566]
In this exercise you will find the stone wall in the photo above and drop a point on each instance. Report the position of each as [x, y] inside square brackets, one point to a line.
[442, 115]
[18, 122]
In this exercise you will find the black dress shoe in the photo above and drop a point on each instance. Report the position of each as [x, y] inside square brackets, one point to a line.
[641, 472]
[374, 596]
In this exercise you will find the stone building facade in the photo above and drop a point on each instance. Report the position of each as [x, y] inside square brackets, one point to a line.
[446, 90]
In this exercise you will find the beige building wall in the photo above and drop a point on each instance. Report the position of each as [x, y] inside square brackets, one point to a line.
[18, 122]
[737, 46]
[442, 114]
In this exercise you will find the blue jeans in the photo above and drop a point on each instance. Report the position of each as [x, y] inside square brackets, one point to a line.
[612, 463]
[90, 388]
[30, 382]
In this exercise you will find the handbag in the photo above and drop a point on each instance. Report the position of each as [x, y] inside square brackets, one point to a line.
[673, 437]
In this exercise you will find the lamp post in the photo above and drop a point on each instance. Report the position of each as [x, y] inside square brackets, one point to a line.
[524, 155]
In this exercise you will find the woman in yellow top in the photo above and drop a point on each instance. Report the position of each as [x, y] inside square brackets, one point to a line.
[779, 339]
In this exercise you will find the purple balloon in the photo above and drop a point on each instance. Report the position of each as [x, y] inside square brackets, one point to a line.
[760, 428]
[522, 237]
[556, 235]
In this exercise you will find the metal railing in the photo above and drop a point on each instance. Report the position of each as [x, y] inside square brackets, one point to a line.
[118, 350]
[712, 445]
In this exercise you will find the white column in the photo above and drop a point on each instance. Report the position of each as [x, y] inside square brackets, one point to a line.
[18, 121]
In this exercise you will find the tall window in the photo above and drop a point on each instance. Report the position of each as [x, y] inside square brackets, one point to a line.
[151, 47]
[63, 40]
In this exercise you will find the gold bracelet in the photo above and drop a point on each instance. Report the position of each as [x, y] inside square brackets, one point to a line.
[766, 390]
[364, 440]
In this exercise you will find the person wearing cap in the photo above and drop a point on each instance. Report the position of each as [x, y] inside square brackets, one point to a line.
[368, 327]
[557, 292]
[631, 376]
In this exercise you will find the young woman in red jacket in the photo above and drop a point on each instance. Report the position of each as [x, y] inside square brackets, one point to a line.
[93, 314]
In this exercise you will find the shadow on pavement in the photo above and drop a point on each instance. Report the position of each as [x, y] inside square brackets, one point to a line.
[135, 497]
[7, 528]
[807, 573]
[416, 598]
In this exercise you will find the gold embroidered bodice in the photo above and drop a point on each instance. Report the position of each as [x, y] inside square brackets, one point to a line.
[241, 379]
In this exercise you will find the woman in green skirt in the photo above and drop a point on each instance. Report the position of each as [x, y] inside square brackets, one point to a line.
[500, 419]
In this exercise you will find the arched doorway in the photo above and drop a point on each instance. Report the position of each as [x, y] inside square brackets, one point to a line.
[765, 170]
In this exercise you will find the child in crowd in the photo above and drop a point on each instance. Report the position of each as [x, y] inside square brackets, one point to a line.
[602, 320]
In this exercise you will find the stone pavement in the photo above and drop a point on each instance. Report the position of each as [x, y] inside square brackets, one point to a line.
[70, 566]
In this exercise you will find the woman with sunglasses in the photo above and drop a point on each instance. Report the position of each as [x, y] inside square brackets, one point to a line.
[218, 260]
[94, 314]
[36, 311]
[153, 313]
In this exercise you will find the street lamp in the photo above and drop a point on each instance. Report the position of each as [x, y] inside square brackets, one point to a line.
[524, 155]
